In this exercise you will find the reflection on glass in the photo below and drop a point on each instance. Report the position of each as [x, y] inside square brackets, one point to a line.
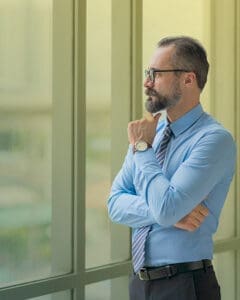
[225, 268]
[99, 291]
[108, 290]
[98, 131]
[227, 218]
[25, 140]
[65, 295]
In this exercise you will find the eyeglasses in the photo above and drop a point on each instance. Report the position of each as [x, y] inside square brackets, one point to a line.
[150, 73]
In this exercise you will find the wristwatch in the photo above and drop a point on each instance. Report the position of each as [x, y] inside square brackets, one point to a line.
[141, 146]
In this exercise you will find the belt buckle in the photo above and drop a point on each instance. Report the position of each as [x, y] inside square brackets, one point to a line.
[143, 274]
[170, 271]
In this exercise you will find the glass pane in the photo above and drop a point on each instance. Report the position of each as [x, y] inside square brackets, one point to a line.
[65, 295]
[98, 131]
[224, 106]
[227, 218]
[28, 143]
[116, 289]
[190, 18]
[225, 268]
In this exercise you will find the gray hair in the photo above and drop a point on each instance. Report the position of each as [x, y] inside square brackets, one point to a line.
[189, 54]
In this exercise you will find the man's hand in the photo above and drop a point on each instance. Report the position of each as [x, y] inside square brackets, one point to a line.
[194, 219]
[144, 129]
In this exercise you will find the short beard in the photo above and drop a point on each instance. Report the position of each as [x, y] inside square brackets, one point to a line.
[161, 102]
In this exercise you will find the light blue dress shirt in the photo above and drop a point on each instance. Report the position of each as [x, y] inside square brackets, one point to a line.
[198, 168]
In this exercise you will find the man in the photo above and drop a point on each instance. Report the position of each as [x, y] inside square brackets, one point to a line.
[174, 181]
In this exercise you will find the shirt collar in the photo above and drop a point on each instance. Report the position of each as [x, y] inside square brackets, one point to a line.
[186, 121]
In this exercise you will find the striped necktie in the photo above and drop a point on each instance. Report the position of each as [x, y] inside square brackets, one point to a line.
[138, 243]
[163, 147]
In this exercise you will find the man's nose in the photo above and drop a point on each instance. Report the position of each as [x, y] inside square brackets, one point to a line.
[148, 83]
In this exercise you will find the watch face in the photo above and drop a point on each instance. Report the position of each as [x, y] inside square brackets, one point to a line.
[141, 146]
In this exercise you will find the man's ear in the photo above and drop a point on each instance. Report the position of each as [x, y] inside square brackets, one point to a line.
[189, 78]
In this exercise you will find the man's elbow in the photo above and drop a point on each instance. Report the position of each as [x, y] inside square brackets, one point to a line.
[110, 208]
[112, 211]
[165, 218]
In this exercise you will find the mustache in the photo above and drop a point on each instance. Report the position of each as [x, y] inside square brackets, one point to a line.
[150, 92]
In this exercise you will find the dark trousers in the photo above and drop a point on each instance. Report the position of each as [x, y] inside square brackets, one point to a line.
[195, 285]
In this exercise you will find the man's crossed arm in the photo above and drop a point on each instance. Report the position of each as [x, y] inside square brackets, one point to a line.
[194, 219]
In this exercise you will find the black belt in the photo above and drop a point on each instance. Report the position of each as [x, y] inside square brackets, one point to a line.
[171, 270]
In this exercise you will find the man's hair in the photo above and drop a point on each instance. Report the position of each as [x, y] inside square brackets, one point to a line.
[189, 54]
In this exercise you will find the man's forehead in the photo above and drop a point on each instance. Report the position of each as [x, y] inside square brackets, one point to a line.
[162, 57]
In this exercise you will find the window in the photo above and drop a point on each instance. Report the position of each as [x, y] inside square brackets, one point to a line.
[70, 81]
[32, 153]
[57, 148]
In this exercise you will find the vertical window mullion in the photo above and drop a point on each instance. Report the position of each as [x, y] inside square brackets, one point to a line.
[121, 107]
[79, 145]
[62, 137]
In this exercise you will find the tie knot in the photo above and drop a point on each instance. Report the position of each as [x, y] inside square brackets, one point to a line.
[167, 131]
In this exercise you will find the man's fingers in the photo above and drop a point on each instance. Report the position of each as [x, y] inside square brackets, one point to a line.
[199, 213]
[152, 117]
[186, 226]
[198, 216]
[203, 210]
[157, 117]
[194, 219]
[196, 222]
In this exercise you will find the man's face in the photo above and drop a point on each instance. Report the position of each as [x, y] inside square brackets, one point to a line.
[165, 91]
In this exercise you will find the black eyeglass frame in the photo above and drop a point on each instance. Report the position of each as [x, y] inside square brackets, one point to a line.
[150, 73]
